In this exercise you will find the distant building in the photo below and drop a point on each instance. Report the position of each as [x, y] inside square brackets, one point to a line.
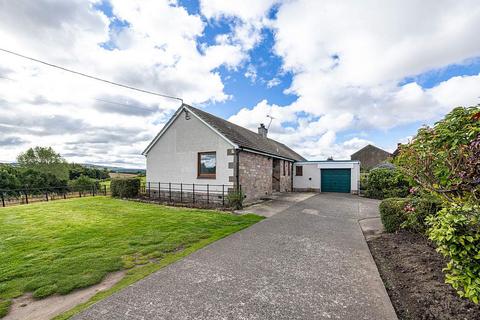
[370, 156]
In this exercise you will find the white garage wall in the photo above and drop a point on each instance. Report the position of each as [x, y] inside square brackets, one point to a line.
[310, 180]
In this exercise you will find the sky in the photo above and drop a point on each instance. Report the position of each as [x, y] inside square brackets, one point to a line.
[335, 76]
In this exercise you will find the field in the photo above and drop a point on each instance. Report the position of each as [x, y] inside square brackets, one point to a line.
[56, 247]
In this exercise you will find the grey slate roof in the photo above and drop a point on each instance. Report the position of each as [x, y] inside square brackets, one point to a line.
[245, 138]
[368, 148]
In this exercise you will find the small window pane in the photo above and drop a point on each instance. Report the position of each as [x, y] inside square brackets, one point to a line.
[207, 163]
[299, 171]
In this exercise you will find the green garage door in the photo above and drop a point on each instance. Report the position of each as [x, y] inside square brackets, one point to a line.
[335, 180]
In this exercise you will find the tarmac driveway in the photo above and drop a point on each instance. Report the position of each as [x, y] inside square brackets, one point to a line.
[309, 261]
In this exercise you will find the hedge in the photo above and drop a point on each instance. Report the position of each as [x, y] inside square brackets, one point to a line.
[125, 187]
[386, 183]
[392, 213]
[408, 213]
[417, 210]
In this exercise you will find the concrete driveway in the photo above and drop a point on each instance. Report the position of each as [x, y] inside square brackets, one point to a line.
[309, 261]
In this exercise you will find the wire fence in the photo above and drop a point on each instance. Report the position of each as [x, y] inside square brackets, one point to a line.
[10, 197]
[193, 194]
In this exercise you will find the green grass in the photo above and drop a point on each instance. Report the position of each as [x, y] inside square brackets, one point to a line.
[59, 246]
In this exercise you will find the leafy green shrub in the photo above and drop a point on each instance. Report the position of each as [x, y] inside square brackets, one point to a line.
[125, 187]
[445, 158]
[417, 209]
[235, 199]
[84, 183]
[456, 232]
[392, 213]
[386, 183]
[363, 181]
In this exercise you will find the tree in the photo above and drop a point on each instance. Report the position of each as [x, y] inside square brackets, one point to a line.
[44, 160]
[9, 178]
[445, 159]
[84, 183]
[76, 170]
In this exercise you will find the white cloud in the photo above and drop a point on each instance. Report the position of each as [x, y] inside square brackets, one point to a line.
[251, 73]
[273, 82]
[462, 90]
[245, 10]
[247, 17]
[348, 58]
[155, 49]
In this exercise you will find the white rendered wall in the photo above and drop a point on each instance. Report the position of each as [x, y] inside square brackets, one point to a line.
[174, 157]
[311, 178]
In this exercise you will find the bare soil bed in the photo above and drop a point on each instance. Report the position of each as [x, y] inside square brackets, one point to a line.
[412, 272]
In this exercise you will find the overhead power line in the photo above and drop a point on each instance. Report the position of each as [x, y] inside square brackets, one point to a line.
[90, 76]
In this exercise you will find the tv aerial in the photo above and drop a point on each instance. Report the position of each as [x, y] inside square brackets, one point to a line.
[271, 118]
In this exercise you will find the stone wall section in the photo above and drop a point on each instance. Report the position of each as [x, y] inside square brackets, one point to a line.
[285, 176]
[255, 175]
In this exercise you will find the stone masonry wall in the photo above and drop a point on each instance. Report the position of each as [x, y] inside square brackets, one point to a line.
[255, 175]
[285, 178]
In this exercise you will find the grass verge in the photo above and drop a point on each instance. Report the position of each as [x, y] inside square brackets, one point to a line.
[57, 247]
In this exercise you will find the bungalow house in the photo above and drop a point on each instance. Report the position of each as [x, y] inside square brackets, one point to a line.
[197, 147]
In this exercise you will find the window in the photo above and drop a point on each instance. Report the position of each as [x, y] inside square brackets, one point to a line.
[283, 167]
[207, 165]
[299, 171]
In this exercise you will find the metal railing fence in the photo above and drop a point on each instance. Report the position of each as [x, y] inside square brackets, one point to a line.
[214, 195]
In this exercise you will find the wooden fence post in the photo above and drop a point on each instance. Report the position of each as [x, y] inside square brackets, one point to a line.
[208, 193]
[3, 199]
[93, 190]
[105, 189]
[223, 195]
[148, 189]
[181, 192]
[170, 191]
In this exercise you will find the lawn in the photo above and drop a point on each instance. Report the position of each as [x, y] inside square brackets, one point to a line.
[59, 246]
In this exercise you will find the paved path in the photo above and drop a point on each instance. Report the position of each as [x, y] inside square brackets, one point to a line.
[308, 262]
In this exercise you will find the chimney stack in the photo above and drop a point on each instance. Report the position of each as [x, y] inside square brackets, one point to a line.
[262, 130]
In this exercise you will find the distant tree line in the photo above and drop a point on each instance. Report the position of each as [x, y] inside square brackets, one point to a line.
[42, 167]
[77, 170]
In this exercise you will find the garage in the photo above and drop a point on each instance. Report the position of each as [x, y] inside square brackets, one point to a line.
[335, 180]
[341, 176]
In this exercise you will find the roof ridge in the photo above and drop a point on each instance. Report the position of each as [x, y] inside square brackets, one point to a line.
[245, 137]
